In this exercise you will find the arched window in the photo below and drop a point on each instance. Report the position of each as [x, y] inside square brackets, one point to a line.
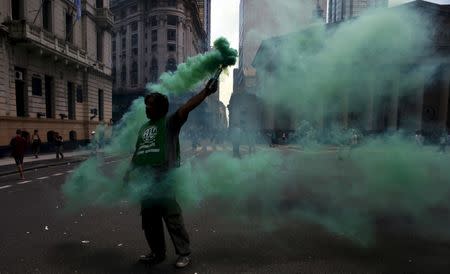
[171, 65]
[51, 136]
[123, 75]
[73, 135]
[172, 3]
[134, 74]
[154, 71]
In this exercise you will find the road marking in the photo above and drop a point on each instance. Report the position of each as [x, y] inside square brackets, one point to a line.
[7, 186]
[24, 182]
[69, 171]
[58, 174]
[42, 178]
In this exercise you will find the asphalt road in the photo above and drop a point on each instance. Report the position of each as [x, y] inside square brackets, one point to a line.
[38, 235]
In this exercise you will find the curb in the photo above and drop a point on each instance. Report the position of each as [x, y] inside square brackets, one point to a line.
[39, 166]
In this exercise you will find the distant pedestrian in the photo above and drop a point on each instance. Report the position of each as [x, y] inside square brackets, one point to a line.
[273, 139]
[18, 145]
[443, 142]
[251, 141]
[419, 139]
[236, 141]
[59, 142]
[35, 143]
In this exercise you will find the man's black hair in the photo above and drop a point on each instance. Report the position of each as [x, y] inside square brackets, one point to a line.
[161, 102]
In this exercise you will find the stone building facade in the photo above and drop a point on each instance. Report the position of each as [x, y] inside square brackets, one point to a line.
[56, 68]
[152, 37]
[341, 10]
[425, 108]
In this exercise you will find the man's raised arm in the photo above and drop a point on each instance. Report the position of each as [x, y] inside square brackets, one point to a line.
[191, 104]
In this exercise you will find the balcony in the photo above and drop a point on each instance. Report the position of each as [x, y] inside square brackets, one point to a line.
[35, 37]
[104, 18]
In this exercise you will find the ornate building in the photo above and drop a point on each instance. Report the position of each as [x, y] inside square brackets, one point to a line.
[56, 70]
[152, 37]
[424, 107]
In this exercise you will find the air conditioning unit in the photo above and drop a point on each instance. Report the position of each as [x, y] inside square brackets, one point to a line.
[18, 75]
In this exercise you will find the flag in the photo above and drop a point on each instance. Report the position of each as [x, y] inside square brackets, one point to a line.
[78, 6]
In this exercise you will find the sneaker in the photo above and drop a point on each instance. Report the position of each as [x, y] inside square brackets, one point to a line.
[152, 259]
[182, 261]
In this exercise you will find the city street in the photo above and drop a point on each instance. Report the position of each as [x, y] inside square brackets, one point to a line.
[38, 235]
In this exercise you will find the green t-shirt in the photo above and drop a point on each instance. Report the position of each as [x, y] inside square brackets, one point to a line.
[158, 143]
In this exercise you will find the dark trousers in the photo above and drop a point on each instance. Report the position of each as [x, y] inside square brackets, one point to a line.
[35, 147]
[152, 224]
[59, 152]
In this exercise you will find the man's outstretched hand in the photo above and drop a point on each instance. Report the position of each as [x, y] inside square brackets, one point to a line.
[212, 85]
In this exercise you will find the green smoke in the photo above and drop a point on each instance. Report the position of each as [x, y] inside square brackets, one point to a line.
[89, 187]
[196, 69]
[315, 72]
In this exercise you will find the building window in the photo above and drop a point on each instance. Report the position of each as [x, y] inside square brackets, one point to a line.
[171, 35]
[171, 65]
[172, 20]
[36, 85]
[99, 4]
[154, 35]
[114, 46]
[154, 70]
[123, 13]
[154, 21]
[134, 74]
[154, 48]
[123, 75]
[172, 3]
[100, 45]
[79, 94]
[17, 9]
[47, 15]
[124, 43]
[71, 100]
[145, 35]
[69, 27]
[133, 9]
[101, 111]
[171, 47]
[134, 51]
[154, 3]
[134, 40]
[134, 26]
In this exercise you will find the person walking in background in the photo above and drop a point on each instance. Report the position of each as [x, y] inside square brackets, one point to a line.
[18, 145]
[35, 143]
[236, 133]
[443, 142]
[59, 146]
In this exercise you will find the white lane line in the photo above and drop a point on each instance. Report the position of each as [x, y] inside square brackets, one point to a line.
[24, 182]
[58, 174]
[7, 186]
[69, 171]
[42, 178]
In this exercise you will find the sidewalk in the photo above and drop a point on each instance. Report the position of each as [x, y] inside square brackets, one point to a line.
[7, 165]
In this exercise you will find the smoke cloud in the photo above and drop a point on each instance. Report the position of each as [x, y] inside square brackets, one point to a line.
[315, 74]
